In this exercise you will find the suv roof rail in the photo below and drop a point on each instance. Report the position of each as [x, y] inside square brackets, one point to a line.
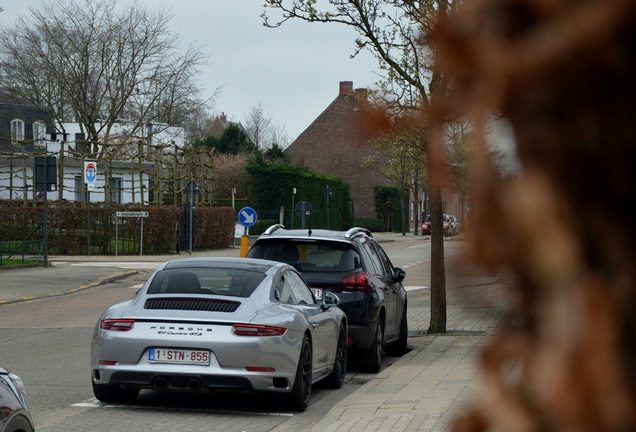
[357, 230]
[271, 229]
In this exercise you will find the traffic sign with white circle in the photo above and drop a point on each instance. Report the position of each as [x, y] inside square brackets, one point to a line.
[90, 172]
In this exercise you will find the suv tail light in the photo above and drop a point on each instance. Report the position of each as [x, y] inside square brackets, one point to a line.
[355, 281]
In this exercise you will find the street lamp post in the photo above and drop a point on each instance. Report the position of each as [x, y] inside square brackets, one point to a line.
[329, 194]
[191, 189]
[292, 212]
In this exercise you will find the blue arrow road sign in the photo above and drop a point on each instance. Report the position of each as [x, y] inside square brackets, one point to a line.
[247, 216]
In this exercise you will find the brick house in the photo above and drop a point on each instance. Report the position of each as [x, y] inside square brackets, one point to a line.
[337, 142]
[220, 124]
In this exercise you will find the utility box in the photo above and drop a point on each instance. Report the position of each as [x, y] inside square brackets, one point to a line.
[45, 173]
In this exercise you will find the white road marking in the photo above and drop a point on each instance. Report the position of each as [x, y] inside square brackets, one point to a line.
[90, 403]
[414, 264]
[94, 403]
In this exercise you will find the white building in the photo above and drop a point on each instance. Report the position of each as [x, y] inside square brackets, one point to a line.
[123, 167]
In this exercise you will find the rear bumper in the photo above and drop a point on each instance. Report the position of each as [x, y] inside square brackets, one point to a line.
[210, 382]
[362, 317]
[361, 337]
[165, 380]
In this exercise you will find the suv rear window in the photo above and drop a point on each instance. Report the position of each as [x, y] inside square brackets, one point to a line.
[308, 256]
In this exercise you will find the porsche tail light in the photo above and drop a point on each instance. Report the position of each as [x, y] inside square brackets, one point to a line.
[257, 330]
[355, 281]
[117, 324]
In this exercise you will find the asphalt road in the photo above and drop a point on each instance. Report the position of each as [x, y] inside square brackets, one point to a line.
[47, 342]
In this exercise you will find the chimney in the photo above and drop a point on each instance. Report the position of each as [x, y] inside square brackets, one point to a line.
[346, 87]
[362, 92]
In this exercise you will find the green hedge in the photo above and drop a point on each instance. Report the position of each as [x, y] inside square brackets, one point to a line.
[273, 185]
[388, 208]
[67, 228]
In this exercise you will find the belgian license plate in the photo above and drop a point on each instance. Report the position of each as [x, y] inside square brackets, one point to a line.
[179, 356]
[317, 293]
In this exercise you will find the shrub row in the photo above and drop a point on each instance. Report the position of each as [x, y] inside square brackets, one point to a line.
[68, 227]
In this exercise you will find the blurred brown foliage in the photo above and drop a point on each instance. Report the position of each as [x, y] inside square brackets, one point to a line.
[563, 73]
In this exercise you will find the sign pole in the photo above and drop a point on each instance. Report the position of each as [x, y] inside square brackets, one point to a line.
[137, 214]
[191, 189]
[45, 231]
[116, 235]
[247, 217]
[90, 176]
[45, 176]
[88, 221]
[191, 212]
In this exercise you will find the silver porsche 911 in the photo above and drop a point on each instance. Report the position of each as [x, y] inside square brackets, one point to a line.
[205, 324]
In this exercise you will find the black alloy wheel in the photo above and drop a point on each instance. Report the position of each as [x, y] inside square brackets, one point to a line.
[337, 376]
[400, 347]
[299, 397]
[371, 359]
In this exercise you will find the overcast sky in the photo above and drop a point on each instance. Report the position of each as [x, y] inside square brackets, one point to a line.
[293, 72]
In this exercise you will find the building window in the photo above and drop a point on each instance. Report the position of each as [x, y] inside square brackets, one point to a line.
[17, 130]
[80, 143]
[78, 188]
[39, 132]
[115, 190]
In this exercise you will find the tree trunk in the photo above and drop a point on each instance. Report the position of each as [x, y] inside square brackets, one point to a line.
[403, 203]
[438, 272]
[416, 207]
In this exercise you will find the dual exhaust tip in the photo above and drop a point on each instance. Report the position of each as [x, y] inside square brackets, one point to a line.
[161, 383]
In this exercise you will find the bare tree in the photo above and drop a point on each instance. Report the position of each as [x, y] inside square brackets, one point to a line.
[460, 147]
[398, 157]
[257, 126]
[230, 174]
[95, 62]
[395, 32]
[262, 130]
[279, 137]
[196, 124]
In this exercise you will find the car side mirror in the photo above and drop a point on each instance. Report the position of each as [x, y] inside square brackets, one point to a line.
[330, 299]
[398, 274]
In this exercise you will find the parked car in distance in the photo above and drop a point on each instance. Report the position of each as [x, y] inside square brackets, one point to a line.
[230, 324]
[446, 225]
[14, 410]
[454, 228]
[354, 266]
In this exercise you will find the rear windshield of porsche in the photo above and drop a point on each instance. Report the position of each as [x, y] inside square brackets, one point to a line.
[210, 281]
